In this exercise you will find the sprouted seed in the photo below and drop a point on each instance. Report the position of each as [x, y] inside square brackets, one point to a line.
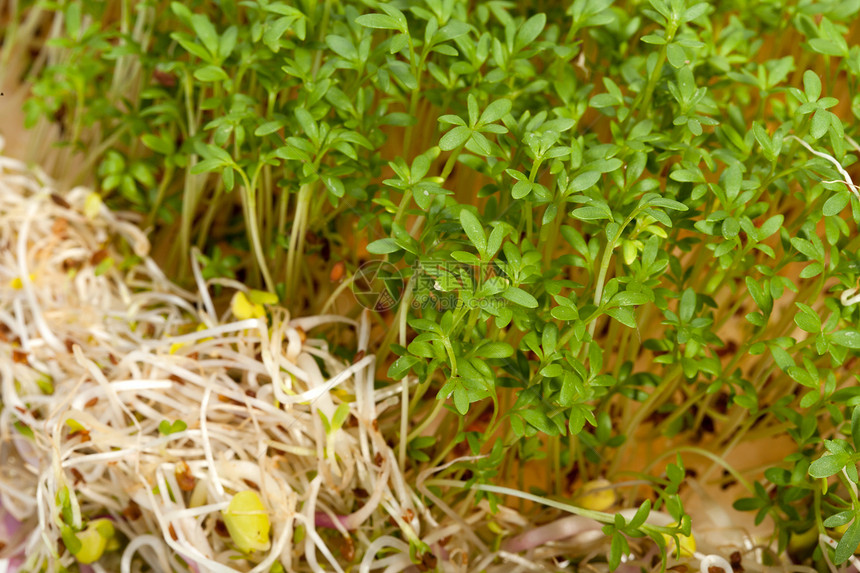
[141, 425]
[248, 522]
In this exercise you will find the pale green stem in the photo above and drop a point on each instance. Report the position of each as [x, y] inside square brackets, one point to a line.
[254, 231]
[297, 239]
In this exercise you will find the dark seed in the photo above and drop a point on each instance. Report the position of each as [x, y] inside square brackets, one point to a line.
[184, 478]
[59, 201]
[132, 511]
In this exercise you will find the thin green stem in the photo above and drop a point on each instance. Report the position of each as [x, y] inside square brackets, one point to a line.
[438, 408]
[254, 231]
[643, 101]
[452, 160]
[296, 239]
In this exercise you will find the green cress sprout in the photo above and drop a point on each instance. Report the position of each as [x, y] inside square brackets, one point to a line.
[626, 234]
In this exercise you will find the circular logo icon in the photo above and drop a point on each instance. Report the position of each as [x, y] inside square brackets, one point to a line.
[377, 285]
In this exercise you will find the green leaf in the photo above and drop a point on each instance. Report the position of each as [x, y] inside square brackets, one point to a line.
[494, 243]
[461, 400]
[401, 71]
[820, 123]
[205, 31]
[379, 21]
[519, 296]
[695, 11]
[687, 307]
[552, 370]
[676, 55]
[340, 415]
[539, 420]
[811, 85]
[73, 19]
[383, 246]
[624, 315]
[529, 31]
[70, 540]
[653, 39]
[494, 350]
[812, 270]
[839, 519]
[584, 181]
[849, 542]
[210, 74]
[827, 466]
[455, 138]
[495, 111]
[803, 377]
[835, 204]
[666, 203]
[422, 349]
[767, 146]
[628, 298]
[827, 47]
[617, 548]
[641, 515]
[731, 228]
[396, 14]
[308, 124]
[761, 298]
[769, 227]
[848, 338]
[166, 428]
[227, 43]
[855, 427]
[334, 185]
[474, 230]
[591, 213]
[341, 46]
[807, 319]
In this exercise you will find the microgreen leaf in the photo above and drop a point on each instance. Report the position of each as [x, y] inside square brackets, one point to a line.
[474, 230]
[166, 428]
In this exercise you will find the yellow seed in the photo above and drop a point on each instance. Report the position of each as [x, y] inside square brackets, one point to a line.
[94, 540]
[802, 541]
[242, 308]
[92, 205]
[75, 426]
[595, 495]
[177, 345]
[18, 284]
[247, 522]
[198, 496]
[262, 297]
[343, 395]
[104, 527]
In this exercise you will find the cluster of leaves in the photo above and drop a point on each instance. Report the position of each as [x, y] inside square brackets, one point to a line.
[595, 194]
[684, 199]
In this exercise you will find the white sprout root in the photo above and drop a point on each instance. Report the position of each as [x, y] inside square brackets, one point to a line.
[125, 397]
